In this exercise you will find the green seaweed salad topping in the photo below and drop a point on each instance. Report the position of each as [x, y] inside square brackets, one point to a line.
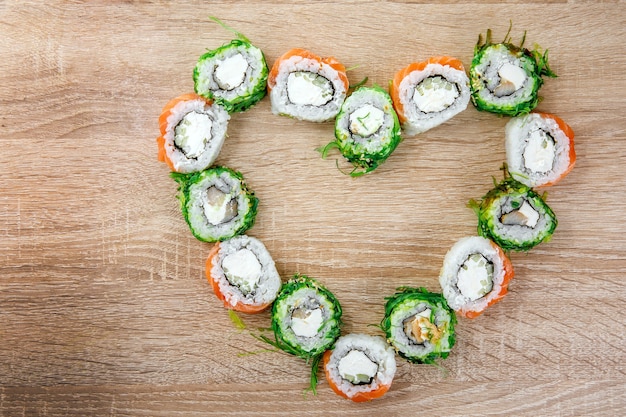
[257, 87]
[200, 228]
[405, 310]
[365, 153]
[514, 216]
[302, 298]
[509, 100]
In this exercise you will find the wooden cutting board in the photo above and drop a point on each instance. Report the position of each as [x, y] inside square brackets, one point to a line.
[104, 308]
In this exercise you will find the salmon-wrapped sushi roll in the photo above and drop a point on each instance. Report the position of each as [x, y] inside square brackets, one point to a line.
[305, 86]
[427, 94]
[539, 149]
[242, 274]
[193, 130]
[360, 367]
[475, 274]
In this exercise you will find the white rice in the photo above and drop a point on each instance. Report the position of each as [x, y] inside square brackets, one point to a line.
[219, 118]
[517, 133]
[268, 285]
[376, 349]
[418, 121]
[453, 261]
[280, 99]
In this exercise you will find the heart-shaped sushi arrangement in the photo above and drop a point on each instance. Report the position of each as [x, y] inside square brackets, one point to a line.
[305, 316]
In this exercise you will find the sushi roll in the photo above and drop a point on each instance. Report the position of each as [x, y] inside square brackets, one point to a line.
[242, 274]
[475, 274]
[193, 130]
[360, 367]
[514, 216]
[234, 75]
[539, 149]
[307, 87]
[367, 129]
[305, 317]
[505, 78]
[426, 94]
[419, 325]
[216, 203]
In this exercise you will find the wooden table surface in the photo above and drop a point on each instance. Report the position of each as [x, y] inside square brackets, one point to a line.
[104, 308]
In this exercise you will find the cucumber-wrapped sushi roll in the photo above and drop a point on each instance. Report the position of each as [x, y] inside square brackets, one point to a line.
[234, 75]
[419, 325]
[216, 203]
[306, 317]
[505, 78]
[475, 274]
[367, 129]
[426, 94]
[514, 216]
[242, 274]
[307, 87]
[539, 149]
[193, 130]
[360, 367]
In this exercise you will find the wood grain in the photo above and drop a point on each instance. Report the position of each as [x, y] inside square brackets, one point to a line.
[104, 309]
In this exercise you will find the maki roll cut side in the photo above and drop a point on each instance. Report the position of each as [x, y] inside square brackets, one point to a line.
[514, 216]
[475, 274]
[216, 203]
[193, 130]
[427, 94]
[505, 78]
[419, 325]
[306, 317]
[242, 274]
[360, 367]
[367, 129]
[539, 149]
[234, 75]
[305, 86]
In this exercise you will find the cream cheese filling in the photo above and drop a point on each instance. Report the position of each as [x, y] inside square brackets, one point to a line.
[366, 120]
[230, 72]
[243, 270]
[307, 88]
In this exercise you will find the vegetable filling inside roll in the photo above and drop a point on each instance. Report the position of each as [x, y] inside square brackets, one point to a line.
[435, 94]
[475, 277]
[309, 89]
